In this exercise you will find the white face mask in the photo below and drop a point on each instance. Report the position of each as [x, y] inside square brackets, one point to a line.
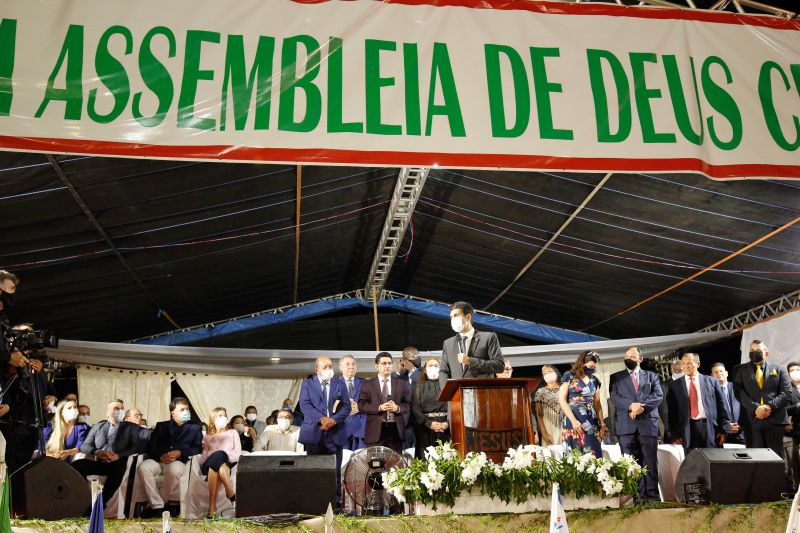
[119, 415]
[239, 428]
[795, 375]
[204, 432]
[70, 413]
[284, 423]
[550, 377]
[84, 419]
[677, 376]
[252, 417]
[432, 372]
[51, 407]
[326, 374]
[221, 422]
[457, 323]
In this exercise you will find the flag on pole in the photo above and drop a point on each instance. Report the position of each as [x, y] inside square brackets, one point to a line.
[96, 524]
[558, 518]
[5, 511]
[793, 526]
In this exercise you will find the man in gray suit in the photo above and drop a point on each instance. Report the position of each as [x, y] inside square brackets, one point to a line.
[470, 353]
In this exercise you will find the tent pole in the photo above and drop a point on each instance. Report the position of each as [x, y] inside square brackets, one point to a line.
[297, 231]
[375, 317]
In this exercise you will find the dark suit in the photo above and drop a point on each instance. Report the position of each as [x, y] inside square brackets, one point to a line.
[168, 436]
[126, 443]
[411, 378]
[355, 422]
[794, 456]
[485, 358]
[377, 432]
[717, 418]
[777, 393]
[663, 410]
[735, 411]
[312, 404]
[638, 437]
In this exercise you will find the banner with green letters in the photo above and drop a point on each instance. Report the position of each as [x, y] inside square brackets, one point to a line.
[508, 84]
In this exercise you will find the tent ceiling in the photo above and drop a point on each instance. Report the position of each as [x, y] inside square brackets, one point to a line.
[212, 241]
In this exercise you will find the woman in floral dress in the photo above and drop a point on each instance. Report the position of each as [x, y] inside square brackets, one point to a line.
[579, 396]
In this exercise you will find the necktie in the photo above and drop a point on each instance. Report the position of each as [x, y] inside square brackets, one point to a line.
[325, 396]
[694, 411]
[350, 389]
[463, 346]
[385, 396]
[635, 378]
[760, 380]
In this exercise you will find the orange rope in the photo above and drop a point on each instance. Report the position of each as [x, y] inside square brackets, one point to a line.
[699, 273]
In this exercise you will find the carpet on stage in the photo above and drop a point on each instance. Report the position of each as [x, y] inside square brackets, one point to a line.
[655, 518]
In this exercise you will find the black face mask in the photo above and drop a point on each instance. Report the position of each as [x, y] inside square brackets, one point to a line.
[630, 364]
[757, 356]
[8, 300]
[589, 371]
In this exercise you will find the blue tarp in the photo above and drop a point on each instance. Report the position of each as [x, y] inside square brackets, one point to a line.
[517, 328]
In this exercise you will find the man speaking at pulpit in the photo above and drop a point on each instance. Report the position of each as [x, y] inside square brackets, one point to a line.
[469, 353]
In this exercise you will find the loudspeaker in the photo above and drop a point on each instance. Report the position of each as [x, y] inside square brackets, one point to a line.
[270, 484]
[723, 475]
[49, 489]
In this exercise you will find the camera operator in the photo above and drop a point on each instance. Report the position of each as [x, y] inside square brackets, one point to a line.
[23, 385]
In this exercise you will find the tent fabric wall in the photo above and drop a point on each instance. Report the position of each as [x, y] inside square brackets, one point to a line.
[234, 393]
[782, 335]
[148, 391]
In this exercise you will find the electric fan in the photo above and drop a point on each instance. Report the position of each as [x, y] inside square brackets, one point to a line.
[363, 480]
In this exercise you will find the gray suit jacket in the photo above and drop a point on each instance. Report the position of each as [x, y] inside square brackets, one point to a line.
[485, 358]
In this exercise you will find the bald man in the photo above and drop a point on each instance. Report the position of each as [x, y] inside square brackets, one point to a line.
[325, 405]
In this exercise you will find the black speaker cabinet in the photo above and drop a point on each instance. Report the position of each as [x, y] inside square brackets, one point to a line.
[271, 484]
[49, 489]
[722, 475]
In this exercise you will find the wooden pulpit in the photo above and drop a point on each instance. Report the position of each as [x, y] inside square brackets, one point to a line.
[489, 415]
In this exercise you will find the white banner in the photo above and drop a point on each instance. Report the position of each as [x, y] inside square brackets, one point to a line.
[486, 84]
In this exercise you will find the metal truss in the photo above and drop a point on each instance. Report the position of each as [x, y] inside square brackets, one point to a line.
[787, 302]
[404, 200]
[744, 7]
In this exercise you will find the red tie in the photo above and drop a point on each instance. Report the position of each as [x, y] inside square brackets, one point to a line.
[694, 411]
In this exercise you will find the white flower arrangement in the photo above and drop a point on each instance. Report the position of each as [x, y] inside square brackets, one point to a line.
[526, 471]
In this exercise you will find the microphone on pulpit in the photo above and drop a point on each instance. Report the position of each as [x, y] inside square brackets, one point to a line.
[461, 345]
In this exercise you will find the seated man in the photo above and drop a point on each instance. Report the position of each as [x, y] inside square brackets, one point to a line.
[102, 435]
[171, 444]
[120, 442]
[251, 420]
[282, 436]
[84, 412]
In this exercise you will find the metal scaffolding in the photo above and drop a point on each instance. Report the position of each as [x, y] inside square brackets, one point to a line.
[787, 302]
[751, 7]
[404, 200]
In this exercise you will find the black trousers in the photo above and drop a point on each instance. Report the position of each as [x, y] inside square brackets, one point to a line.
[763, 434]
[326, 446]
[114, 471]
[389, 437]
[698, 438]
[644, 449]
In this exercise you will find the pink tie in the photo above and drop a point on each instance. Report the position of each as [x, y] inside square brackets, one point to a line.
[635, 379]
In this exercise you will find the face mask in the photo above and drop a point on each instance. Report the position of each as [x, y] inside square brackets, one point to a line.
[432, 372]
[757, 356]
[630, 364]
[238, 427]
[326, 374]
[284, 423]
[51, 407]
[252, 417]
[287, 406]
[70, 414]
[589, 371]
[204, 432]
[119, 415]
[795, 375]
[143, 426]
[84, 419]
[184, 416]
[221, 422]
[457, 323]
[676, 377]
[550, 377]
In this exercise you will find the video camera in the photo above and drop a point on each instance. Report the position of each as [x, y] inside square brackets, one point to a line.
[31, 343]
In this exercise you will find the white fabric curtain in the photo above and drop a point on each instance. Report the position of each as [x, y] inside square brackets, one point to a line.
[605, 368]
[207, 391]
[148, 391]
[782, 335]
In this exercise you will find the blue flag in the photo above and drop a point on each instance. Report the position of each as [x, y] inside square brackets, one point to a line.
[96, 524]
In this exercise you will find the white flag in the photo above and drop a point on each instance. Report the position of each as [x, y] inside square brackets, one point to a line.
[558, 518]
[793, 526]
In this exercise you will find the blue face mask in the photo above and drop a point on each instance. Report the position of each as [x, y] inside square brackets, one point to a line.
[185, 416]
[589, 371]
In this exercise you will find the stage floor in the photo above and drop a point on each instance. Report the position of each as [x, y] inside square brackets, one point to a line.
[656, 518]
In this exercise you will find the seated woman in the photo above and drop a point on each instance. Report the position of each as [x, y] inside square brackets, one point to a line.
[579, 396]
[247, 434]
[64, 435]
[430, 415]
[221, 450]
[548, 407]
